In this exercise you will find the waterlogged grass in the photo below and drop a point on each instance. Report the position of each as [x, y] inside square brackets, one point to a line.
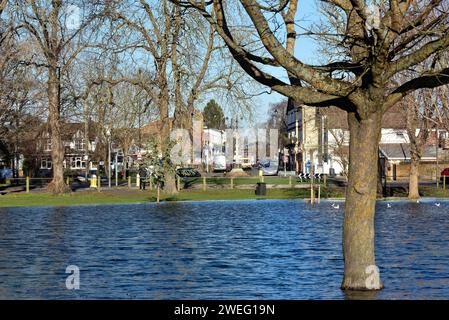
[434, 192]
[244, 181]
[136, 196]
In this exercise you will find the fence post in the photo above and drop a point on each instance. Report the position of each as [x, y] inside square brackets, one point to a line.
[28, 184]
[319, 194]
[138, 181]
[289, 181]
[204, 183]
[99, 183]
[129, 182]
[232, 183]
[179, 183]
[437, 178]
[312, 192]
[68, 181]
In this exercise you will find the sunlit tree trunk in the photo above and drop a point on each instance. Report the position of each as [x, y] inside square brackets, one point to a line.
[358, 228]
[413, 193]
[57, 185]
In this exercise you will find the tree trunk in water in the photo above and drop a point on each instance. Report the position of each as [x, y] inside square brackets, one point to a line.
[413, 186]
[57, 185]
[360, 271]
[170, 187]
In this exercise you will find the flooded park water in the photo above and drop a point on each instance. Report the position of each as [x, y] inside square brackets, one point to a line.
[261, 249]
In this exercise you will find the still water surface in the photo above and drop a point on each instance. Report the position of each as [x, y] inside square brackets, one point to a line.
[266, 249]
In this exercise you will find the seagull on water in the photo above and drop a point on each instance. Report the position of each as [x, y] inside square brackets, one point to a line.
[437, 204]
[335, 206]
[388, 205]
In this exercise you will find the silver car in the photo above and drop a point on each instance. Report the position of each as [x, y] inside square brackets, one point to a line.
[270, 168]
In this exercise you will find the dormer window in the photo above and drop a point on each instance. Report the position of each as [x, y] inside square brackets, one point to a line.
[48, 145]
[80, 144]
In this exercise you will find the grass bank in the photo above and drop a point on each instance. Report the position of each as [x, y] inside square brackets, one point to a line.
[135, 196]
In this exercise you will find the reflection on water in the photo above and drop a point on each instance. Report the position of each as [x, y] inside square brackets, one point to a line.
[271, 249]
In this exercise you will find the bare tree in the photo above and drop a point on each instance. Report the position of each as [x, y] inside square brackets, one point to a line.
[181, 48]
[377, 43]
[420, 109]
[59, 42]
[339, 150]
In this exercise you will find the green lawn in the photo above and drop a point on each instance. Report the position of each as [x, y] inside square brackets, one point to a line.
[134, 196]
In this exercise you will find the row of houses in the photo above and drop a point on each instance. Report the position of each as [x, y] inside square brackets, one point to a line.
[317, 140]
[323, 139]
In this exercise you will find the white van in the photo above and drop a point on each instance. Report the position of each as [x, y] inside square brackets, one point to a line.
[219, 163]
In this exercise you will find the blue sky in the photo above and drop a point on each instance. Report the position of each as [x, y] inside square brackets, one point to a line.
[305, 51]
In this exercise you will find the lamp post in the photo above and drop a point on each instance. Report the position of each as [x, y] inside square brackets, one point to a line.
[108, 134]
[116, 169]
[297, 141]
[192, 140]
[207, 150]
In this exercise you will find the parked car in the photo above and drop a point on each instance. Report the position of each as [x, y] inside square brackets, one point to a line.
[270, 168]
[445, 175]
[188, 173]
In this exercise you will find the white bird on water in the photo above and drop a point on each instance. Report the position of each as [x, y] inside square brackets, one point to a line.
[437, 204]
[388, 205]
[335, 206]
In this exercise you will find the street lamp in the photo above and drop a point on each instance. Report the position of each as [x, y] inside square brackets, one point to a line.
[108, 135]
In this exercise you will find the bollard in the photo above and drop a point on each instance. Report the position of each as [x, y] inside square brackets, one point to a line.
[99, 183]
[312, 194]
[232, 183]
[289, 181]
[319, 194]
[129, 182]
[68, 181]
[28, 184]
[179, 183]
[444, 182]
[204, 183]
[138, 181]
[438, 180]
[325, 180]
[158, 193]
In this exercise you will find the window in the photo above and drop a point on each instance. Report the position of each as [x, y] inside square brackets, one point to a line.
[77, 163]
[46, 164]
[80, 144]
[48, 145]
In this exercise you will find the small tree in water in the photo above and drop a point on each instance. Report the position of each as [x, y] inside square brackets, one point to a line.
[160, 166]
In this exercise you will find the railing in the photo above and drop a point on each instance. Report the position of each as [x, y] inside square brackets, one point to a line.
[183, 182]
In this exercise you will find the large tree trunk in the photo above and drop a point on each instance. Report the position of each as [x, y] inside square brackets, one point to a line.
[413, 185]
[164, 145]
[57, 185]
[358, 228]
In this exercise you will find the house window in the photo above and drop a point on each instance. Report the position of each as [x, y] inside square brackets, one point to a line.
[77, 163]
[46, 164]
[80, 144]
[48, 145]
